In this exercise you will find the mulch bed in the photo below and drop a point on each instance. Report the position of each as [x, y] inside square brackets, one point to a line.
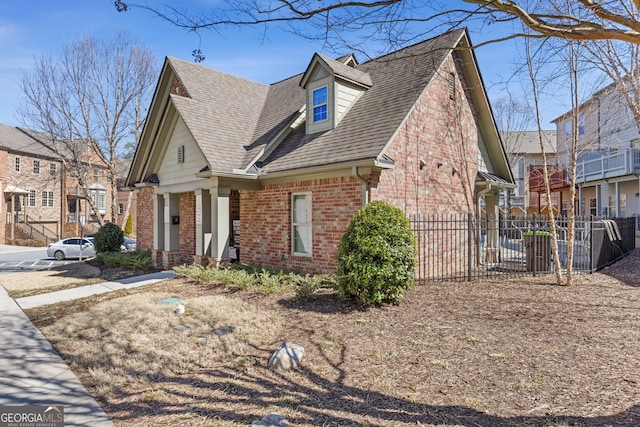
[501, 352]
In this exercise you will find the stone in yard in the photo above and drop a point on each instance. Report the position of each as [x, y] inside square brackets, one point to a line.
[286, 356]
[182, 328]
[272, 420]
[222, 331]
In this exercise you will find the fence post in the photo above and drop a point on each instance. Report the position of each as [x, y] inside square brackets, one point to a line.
[469, 245]
[535, 248]
[591, 269]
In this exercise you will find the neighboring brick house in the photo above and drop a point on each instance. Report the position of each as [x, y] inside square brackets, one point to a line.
[608, 155]
[272, 174]
[41, 197]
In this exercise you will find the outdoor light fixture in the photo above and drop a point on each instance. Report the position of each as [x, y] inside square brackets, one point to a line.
[422, 164]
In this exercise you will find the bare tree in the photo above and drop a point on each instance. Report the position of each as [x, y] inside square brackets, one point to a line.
[403, 20]
[90, 99]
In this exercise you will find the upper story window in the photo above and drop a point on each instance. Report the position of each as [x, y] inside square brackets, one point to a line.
[53, 169]
[17, 164]
[581, 125]
[36, 167]
[96, 174]
[567, 128]
[320, 98]
[99, 197]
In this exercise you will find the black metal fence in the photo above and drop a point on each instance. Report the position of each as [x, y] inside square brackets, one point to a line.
[453, 247]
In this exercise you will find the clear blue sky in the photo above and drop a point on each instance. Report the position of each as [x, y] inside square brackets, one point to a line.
[28, 28]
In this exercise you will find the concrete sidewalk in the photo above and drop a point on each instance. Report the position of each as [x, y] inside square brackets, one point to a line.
[33, 373]
[87, 291]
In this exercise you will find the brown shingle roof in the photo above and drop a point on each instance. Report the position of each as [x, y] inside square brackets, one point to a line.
[17, 139]
[398, 79]
[232, 119]
[222, 113]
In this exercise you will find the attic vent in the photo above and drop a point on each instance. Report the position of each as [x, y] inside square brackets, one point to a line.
[181, 154]
[452, 85]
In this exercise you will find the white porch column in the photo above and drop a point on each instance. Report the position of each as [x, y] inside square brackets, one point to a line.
[158, 222]
[493, 228]
[199, 231]
[220, 222]
[580, 202]
[167, 221]
[203, 222]
[618, 199]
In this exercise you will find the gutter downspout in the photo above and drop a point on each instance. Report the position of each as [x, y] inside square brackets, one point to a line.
[365, 185]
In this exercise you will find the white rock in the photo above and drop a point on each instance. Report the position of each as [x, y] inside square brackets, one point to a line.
[286, 356]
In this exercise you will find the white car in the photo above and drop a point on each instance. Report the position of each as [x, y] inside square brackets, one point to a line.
[71, 248]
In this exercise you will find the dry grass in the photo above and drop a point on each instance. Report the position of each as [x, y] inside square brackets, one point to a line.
[518, 352]
[131, 339]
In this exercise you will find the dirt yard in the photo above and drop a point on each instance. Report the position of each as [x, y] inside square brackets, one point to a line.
[517, 352]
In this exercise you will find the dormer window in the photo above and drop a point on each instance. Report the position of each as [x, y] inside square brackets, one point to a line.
[320, 112]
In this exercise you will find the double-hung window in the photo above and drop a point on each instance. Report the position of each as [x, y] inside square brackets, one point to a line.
[17, 164]
[53, 169]
[32, 198]
[99, 198]
[47, 199]
[36, 167]
[301, 224]
[320, 103]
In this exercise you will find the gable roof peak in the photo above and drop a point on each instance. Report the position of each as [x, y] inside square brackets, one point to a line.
[339, 69]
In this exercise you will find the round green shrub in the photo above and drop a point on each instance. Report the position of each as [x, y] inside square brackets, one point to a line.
[376, 258]
[108, 238]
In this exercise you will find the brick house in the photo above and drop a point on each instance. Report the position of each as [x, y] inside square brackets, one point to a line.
[272, 174]
[41, 197]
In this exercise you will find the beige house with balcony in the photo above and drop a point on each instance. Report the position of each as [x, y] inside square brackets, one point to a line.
[608, 167]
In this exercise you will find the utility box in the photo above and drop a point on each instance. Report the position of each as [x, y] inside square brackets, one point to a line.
[538, 251]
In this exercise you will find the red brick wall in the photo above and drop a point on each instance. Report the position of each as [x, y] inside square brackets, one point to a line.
[440, 131]
[265, 222]
[144, 219]
[443, 133]
[187, 226]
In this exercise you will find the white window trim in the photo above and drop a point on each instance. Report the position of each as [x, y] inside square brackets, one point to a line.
[308, 222]
[36, 167]
[314, 106]
[31, 199]
[17, 163]
[47, 199]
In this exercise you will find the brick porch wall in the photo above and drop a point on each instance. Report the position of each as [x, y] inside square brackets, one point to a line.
[144, 219]
[265, 222]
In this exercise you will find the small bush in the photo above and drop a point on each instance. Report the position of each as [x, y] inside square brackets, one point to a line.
[128, 227]
[376, 257]
[308, 285]
[131, 260]
[108, 238]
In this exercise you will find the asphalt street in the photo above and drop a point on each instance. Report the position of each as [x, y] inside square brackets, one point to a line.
[14, 259]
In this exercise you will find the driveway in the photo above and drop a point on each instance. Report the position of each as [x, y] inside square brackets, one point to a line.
[15, 259]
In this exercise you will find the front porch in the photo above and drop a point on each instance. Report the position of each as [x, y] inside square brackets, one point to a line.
[196, 227]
